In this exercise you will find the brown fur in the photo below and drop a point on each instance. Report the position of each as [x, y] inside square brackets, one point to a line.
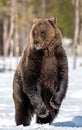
[41, 78]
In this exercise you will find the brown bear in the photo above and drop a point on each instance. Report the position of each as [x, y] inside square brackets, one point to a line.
[41, 78]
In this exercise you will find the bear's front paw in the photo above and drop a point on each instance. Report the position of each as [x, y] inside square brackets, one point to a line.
[55, 102]
[42, 111]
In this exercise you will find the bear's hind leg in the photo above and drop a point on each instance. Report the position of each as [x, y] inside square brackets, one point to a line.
[23, 112]
[20, 115]
[29, 111]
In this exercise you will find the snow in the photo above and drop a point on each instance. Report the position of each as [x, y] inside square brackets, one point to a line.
[70, 115]
[66, 41]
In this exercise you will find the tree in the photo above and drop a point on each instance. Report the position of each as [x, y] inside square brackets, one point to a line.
[8, 30]
[4, 13]
[80, 27]
[76, 32]
[43, 8]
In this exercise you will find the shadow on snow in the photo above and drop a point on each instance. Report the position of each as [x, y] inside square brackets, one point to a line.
[76, 122]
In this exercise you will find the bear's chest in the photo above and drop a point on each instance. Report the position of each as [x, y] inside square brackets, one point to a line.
[49, 71]
[49, 66]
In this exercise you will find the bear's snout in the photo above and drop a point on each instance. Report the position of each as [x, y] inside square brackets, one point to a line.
[37, 45]
[36, 42]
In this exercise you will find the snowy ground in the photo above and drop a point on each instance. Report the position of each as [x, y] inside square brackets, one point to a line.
[70, 115]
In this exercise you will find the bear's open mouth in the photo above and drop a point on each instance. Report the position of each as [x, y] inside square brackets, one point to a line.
[38, 46]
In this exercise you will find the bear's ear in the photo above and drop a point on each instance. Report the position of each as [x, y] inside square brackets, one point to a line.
[34, 20]
[52, 21]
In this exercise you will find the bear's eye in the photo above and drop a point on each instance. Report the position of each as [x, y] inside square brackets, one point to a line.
[42, 34]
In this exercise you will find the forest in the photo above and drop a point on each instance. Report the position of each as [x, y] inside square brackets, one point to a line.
[16, 20]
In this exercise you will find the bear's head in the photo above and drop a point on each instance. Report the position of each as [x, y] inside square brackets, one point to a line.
[43, 32]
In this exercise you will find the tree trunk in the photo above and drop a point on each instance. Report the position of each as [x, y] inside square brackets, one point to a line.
[7, 35]
[43, 8]
[80, 28]
[16, 30]
[73, 1]
[11, 32]
[76, 33]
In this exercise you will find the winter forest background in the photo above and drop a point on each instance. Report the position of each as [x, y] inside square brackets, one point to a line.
[15, 23]
[16, 20]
